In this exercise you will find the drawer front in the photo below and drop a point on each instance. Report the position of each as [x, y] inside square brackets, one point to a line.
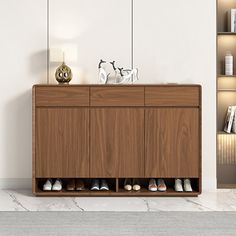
[62, 96]
[117, 96]
[172, 96]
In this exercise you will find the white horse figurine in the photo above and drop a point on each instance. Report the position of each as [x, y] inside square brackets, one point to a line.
[120, 76]
[128, 76]
[103, 76]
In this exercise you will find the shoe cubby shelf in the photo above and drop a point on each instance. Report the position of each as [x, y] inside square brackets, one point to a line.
[116, 132]
[116, 188]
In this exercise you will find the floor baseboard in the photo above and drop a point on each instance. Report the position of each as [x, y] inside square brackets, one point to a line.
[15, 183]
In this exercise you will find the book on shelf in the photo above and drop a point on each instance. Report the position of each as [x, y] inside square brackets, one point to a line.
[230, 119]
[234, 123]
[232, 20]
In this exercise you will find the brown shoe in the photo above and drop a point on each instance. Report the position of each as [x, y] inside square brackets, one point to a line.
[70, 185]
[79, 186]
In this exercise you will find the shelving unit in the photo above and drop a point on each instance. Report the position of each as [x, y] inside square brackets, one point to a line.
[118, 190]
[226, 33]
[226, 76]
[115, 132]
[226, 96]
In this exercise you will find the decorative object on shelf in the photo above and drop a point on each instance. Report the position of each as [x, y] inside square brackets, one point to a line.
[230, 120]
[232, 20]
[62, 54]
[229, 61]
[103, 76]
[63, 74]
[118, 75]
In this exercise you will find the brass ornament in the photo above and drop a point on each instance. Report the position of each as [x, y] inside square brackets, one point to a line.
[63, 74]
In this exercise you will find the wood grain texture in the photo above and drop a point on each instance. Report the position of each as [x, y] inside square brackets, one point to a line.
[172, 142]
[172, 96]
[62, 96]
[117, 96]
[161, 140]
[62, 142]
[33, 142]
[117, 142]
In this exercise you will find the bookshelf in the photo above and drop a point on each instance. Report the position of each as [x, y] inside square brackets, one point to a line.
[226, 96]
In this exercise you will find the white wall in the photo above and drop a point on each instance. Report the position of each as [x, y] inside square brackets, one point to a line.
[174, 41]
[23, 63]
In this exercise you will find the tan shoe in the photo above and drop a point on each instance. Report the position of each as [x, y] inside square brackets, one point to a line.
[152, 186]
[161, 186]
[79, 185]
[128, 185]
[136, 185]
[70, 185]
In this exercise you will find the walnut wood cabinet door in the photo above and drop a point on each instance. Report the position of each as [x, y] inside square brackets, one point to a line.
[117, 142]
[172, 142]
[62, 142]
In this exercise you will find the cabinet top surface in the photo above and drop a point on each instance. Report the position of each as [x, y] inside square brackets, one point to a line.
[118, 85]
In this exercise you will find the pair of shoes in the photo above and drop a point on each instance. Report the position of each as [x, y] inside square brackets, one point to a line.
[130, 184]
[179, 186]
[73, 185]
[49, 186]
[97, 186]
[160, 186]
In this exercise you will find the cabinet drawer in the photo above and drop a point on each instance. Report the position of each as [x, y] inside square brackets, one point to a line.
[117, 96]
[172, 96]
[62, 96]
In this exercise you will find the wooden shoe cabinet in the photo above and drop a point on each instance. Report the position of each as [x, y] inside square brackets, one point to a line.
[116, 132]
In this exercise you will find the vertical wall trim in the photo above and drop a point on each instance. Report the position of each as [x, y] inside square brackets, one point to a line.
[48, 5]
[132, 34]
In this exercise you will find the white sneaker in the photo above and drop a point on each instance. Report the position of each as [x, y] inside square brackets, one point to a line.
[187, 185]
[161, 186]
[47, 185]
[152, 186]
[95, 185]
[104, 185]
[128, 185]
[57, 186]
[178, 185]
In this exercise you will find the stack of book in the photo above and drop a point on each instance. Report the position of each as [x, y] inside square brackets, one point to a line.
[230, 120]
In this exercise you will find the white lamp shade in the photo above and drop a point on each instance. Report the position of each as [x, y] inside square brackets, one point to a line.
[66, 53]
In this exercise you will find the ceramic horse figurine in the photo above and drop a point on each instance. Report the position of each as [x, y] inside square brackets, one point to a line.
[103, 76]
[128, 76]
[121, 75]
